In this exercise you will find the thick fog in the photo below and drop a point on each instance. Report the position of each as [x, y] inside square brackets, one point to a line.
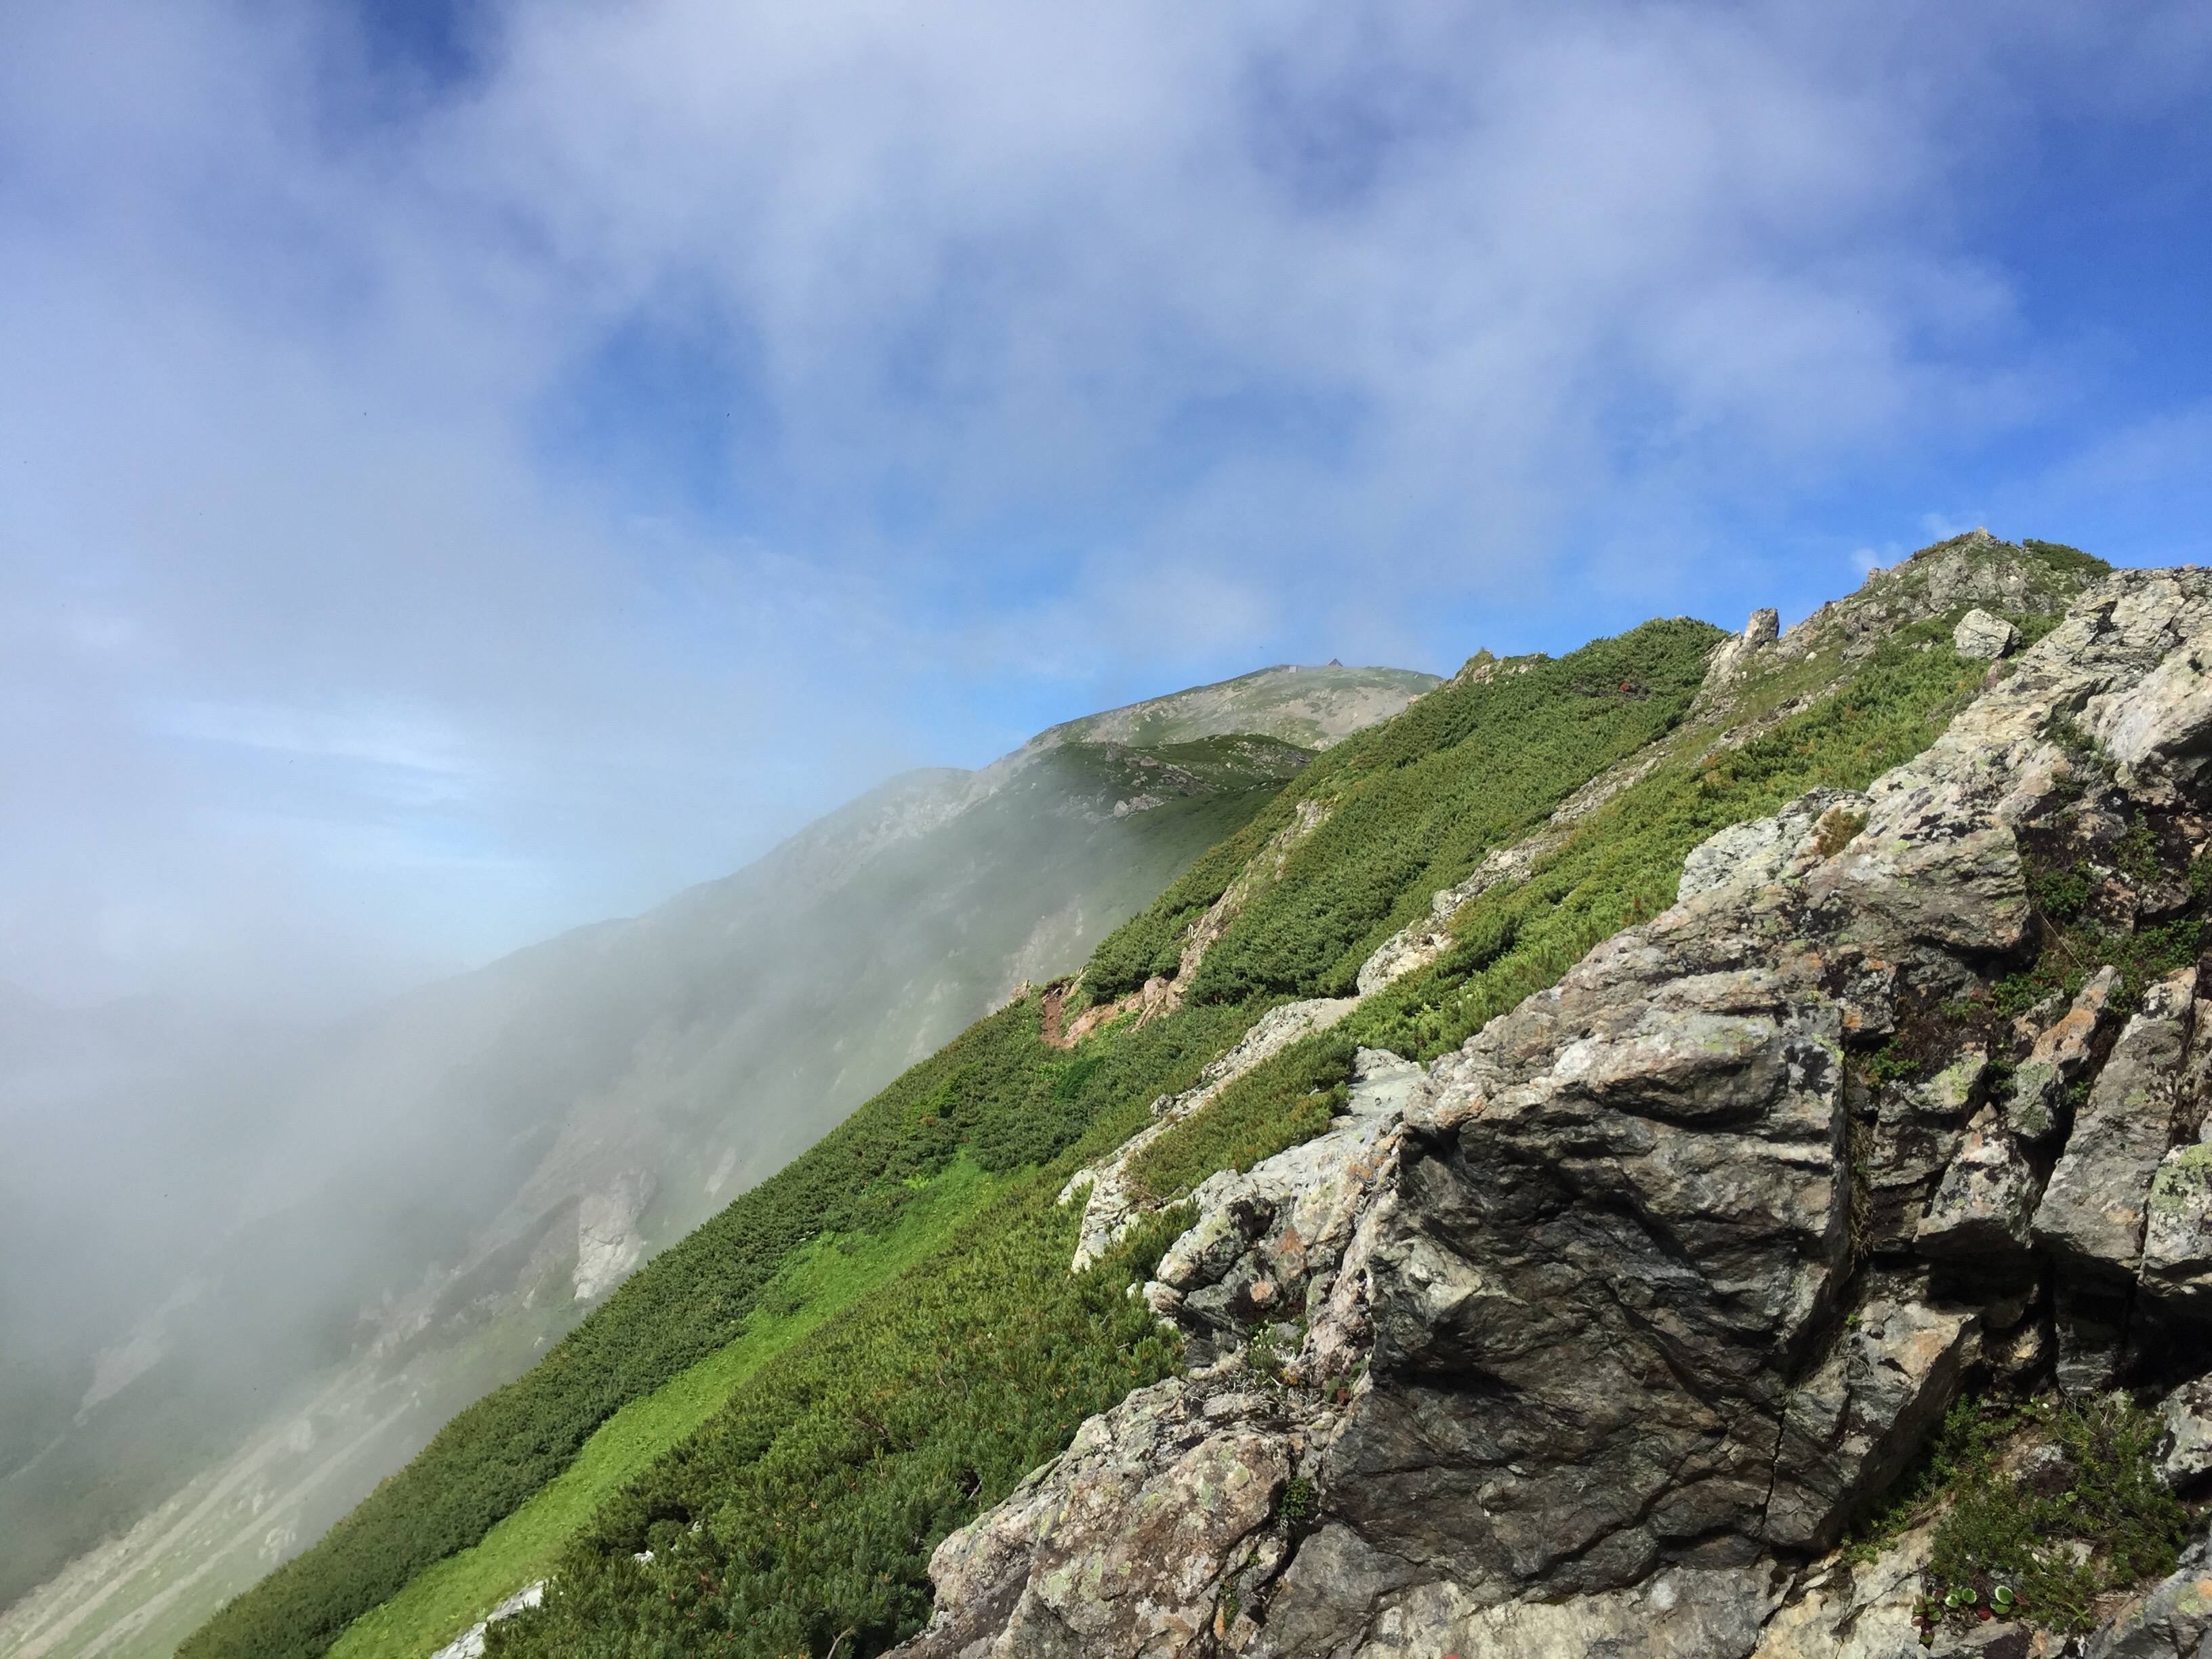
[470, 471]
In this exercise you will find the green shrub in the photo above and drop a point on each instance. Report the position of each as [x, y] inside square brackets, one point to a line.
[2060, 556]
[2044, 1548]
[804, 1512]
[1277, 1104]
[1413, 805]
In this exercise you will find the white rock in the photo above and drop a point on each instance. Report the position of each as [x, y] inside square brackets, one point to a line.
[1113, 1204]
[470, 1644]
[1766, 849]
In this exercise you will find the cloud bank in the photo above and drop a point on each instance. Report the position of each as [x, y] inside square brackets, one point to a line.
[468, 470]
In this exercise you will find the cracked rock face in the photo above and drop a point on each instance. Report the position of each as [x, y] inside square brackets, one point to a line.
[1594, 1337]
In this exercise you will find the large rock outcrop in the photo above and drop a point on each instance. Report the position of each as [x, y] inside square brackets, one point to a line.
[1594, 1337]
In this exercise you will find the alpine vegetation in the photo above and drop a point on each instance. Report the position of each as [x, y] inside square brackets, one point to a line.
[1690, 1147]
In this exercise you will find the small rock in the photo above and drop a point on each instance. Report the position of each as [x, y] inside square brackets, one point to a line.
[1980, 1214]
[1729, 656]
[2177, 1263]
[2091, 1219]
[1984, 637]
[470, 1644]
[2171, 1620]
[1859, 1612]
[2019, 1356]
[2031, 1100]
[1946, 1096]
[2185, 1456]
[2089, 1322]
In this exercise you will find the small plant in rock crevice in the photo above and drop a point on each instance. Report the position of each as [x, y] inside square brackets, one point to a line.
[2038, 1509]
[1272, 1349]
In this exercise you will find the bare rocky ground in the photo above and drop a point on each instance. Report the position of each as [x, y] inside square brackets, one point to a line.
[1594, 1336]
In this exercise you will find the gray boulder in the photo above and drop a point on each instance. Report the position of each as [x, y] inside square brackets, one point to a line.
[2184, 1456]
[1980, 1214]
[2091, 1219]
[1127, 1543]
[1984, 637]
[1765, 849]
[2177, 1257]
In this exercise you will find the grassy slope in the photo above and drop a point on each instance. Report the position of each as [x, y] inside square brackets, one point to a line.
[805, 1506]
[996, 1094]
[1412, 805]
[824, 1278]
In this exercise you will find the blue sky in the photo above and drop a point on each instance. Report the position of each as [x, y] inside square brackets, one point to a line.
[467, 470]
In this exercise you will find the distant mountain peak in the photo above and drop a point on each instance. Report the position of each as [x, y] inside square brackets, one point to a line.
[1313, 707]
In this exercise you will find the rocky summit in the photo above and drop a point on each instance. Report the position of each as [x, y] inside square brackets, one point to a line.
[1621, 1329]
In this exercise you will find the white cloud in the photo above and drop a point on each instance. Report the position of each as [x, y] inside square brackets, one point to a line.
[599, 465]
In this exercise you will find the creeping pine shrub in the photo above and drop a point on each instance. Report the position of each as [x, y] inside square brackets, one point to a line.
[1413, 805]
[807, 1507]
[1619, 864]
[2062, 895]
[1279, 1104]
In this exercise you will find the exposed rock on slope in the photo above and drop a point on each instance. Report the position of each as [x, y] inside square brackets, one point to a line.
[1596, 1338]
[1975, 569]
[1110, 1205]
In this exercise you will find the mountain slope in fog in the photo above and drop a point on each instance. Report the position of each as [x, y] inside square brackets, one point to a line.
[909, 1473]
[448, 1183]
